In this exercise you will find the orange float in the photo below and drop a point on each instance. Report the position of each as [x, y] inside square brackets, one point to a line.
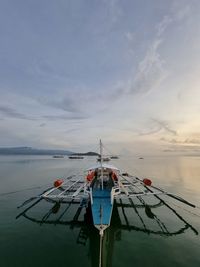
[58, 182]
[147, 181]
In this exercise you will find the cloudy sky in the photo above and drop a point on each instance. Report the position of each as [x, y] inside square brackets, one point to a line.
[128, 72]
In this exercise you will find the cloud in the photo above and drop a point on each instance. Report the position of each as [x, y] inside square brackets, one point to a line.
[42, 125]
[191, 141]
[164, 125]
[150, 72]
[65, 117]
[130, 36]
[156, 126]
[182, 144]
[180, 12]
[12, 113]
[162, 26]
[73, 130]
[78, 103]
[67, 103]
[183, 141]
[114, 10]
[182, 148]
[150, 132]
[151, 69]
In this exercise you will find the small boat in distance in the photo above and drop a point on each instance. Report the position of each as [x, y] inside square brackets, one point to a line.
[114, 157]
[76, 157]
[58, 156]
[103, 159]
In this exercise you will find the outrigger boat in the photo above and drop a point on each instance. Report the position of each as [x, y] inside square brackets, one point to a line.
[99, 189]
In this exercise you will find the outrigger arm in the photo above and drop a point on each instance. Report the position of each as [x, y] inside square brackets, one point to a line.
[169, 194]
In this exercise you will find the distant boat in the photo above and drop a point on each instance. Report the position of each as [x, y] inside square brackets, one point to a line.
[103, 159]
[76, 157]
[141, 158]
[58, 156]
[114, 157]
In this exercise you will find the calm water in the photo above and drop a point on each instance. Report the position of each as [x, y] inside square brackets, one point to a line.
[136, 238]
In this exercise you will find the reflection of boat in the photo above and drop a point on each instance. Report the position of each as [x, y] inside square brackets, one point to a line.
[102, 191]
[76, 157]
[80, 217]
[58, 156]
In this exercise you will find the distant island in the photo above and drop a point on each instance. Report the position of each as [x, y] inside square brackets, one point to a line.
[35, 151]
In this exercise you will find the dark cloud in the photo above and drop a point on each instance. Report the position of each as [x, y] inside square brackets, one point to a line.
[115, 94]
[42, 125]
[186, 145]
[164, 125]
[157, 126]
[183, 148]
[73, 130]
[66, 104]
[70, 102]
[65, 117]
[184, 141]
[12, 113]
[192, 141]
[150, 132]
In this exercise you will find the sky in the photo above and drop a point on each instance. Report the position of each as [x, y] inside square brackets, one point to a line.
[128, 72]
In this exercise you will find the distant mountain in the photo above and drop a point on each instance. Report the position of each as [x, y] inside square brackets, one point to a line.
[35, 151]
[32, 151]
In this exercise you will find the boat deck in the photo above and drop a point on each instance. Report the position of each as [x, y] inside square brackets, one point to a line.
[101, 208]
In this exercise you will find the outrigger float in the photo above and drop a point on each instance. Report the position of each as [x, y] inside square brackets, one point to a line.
[103, 186]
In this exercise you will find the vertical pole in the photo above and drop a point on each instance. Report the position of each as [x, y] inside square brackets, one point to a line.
[100, 250]
[101, 160]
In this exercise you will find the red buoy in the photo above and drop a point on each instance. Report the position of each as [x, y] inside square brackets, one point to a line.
[114, 176]
[58, 182]
[147, 181]
[90, 176]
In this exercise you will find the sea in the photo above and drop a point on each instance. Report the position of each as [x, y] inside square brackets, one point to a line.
[143, 233]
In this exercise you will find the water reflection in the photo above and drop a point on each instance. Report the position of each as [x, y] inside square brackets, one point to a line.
[140, 216]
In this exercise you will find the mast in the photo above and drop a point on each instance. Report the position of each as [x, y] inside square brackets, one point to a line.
[101, 161]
